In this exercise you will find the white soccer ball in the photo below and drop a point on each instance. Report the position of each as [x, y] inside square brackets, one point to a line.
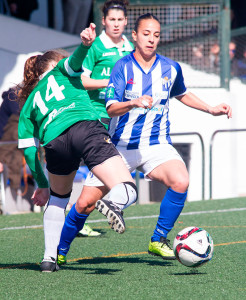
[193, 246]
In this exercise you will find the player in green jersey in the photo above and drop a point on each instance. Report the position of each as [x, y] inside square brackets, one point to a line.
[107, 49]
[57, 113]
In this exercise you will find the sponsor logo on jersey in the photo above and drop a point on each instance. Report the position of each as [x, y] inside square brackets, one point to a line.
[109, 54]
[56, 112]
[162, 95]
[130, 81]
[131, 94]
[102, 95]
[105, 72]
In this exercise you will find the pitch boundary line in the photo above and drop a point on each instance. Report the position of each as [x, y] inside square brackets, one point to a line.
[137, 218]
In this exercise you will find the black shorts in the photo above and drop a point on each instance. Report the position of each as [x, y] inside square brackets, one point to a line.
[85, 140]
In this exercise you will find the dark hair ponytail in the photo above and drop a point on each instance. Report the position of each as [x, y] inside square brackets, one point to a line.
[34, 67]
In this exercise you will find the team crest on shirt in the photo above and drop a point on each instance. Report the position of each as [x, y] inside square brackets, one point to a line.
[166, 82]
[108, 140]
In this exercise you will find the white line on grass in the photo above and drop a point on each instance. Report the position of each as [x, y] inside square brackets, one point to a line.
[140, 217]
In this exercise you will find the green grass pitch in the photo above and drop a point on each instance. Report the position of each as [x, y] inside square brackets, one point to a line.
[115, 266]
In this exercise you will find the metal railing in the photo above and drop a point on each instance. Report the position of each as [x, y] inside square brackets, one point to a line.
[211, 156]
[203, 156]
[203, 159]
[137, 173]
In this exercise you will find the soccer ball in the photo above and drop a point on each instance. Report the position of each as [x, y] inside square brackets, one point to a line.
[193, 247]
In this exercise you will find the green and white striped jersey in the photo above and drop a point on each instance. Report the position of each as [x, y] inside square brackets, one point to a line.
[99, 63]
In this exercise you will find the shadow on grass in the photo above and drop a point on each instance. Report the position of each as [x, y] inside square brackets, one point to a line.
[23, 266]
[189, 272]
[89, 262]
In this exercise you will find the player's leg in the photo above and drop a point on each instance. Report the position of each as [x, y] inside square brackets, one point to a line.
[175, 176]
[54, 217]
[76, 218]
[123, 190]
[62, 170]
[164, 164]
[107, 165]
[116, 176]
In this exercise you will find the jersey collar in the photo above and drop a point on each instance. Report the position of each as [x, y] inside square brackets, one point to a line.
[44, 74]
[108, 43]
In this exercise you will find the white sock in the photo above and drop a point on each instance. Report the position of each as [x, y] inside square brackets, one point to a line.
[54, 218]
[123, 194]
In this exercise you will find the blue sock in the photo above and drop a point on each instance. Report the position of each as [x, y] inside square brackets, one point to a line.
[170, 209]
[74, 222]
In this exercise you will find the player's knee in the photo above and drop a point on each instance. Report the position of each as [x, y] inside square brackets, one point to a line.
[59, 200]
[131, 188]
[181, 184]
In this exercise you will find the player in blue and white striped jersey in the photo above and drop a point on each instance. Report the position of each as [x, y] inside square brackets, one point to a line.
[144, 126]
[137, 100]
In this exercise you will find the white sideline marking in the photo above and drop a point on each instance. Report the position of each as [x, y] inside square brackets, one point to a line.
[141, 217]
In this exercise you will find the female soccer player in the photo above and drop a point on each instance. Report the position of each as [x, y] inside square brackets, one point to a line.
[137, 99]
[107, 49]
[57, 112]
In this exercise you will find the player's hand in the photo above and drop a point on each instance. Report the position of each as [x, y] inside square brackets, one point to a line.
[88, 35]
[144, 101]
[222, 109]
[41, 196]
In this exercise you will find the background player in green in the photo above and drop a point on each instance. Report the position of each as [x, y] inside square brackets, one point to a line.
[107, 49]
[57, 112]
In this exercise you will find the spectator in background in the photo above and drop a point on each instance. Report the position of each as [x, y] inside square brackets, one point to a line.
[198, 59]
[22, 9]
[76, 15]
[214, 56]
[239, 63]
[10, 154]
[233, 58]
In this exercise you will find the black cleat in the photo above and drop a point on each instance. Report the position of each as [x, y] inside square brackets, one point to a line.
[113, 214]
[49, 265]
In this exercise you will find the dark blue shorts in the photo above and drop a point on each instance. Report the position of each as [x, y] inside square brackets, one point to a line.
[85, 141]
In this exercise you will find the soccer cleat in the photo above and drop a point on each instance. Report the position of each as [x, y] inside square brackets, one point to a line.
[113, 214]
[88, 231]
[49, 265]
[61, 259]
[162, 249]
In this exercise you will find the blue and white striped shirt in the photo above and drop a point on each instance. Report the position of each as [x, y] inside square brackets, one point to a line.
[142, 127]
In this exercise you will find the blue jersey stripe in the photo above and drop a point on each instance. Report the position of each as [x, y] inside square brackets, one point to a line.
[136, 132]
[147, 84]
[122, 121]
[155, 131]
[139, 127]
[129, 77]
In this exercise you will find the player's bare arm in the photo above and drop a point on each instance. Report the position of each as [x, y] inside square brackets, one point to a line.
[121, 108]
[193, 101]
[94, 84]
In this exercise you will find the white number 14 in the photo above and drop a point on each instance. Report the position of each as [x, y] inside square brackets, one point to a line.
[53, 90]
